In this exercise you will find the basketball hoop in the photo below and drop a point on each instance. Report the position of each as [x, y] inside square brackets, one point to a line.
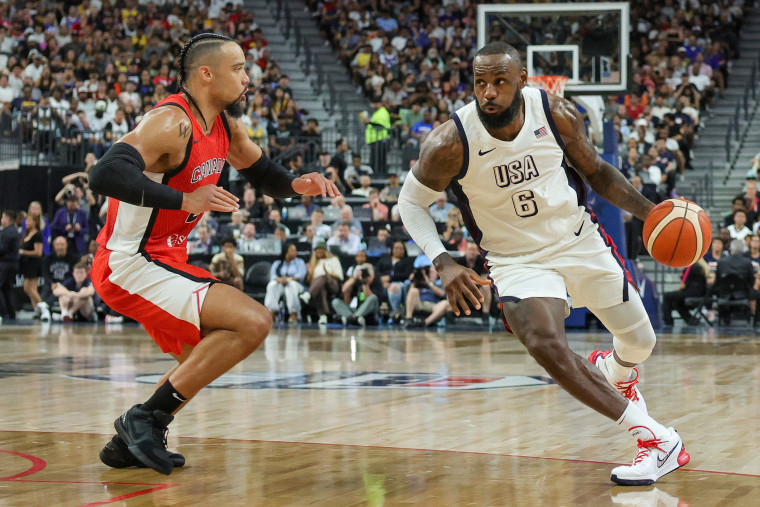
[552, 84]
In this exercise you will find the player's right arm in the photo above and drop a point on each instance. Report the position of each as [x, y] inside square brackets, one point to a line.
[157, 145]
[441, 158]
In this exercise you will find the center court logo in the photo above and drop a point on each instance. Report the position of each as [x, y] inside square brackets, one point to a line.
[351, 380]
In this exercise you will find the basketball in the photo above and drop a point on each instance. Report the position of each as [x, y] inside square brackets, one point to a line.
[677, 233]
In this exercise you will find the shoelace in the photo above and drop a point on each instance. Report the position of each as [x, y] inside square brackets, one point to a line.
[646, 447]
[628, 387]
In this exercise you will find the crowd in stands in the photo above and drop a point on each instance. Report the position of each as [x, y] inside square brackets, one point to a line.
[76, 77]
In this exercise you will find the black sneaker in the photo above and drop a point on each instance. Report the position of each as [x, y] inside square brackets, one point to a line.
[116, 455]
[144, 433]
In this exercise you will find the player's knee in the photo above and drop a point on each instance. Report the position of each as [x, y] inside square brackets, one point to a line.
[255, 327]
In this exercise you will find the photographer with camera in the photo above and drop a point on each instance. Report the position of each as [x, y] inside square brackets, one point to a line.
[360, 302]
[425, 295]
[71, 222]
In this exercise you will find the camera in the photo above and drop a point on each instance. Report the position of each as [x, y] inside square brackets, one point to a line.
[68, 195]
[365, 275]
[418, 279]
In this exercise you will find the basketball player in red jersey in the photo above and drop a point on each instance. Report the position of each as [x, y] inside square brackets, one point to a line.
[160, 179]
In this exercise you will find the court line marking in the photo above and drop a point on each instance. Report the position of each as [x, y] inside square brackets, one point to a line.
[570, 460]
[39, 464]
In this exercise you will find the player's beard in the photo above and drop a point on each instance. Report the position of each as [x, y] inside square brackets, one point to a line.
[501, 120]
[236, 109]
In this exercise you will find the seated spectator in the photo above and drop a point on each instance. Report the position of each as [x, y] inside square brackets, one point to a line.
[308, 237]
[737, 204]
[365, 185]
[285, 279]
[233, 228]
[454, 222]
[360, 302]
[476, 262]
[30, 261]
[693, 284]
[348, 242]
[227, 265]
[324, 274]
[321, 230]
[71, 222]
[354, 171]
[347, 215]
[331, 173]
[390, 193]
[56, 268]
[739, 229]
[273, 222]
[753, 254]
[735, 264]
[440, 208]
[75, 296]
[425, 295]
[379, 210]
[202, 245]
[307, 203]
[395, 271]
[422, 128]
[247, 242]
[457, 241]
[248, 206]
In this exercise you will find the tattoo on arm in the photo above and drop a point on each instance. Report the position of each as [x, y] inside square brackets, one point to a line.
[605, 179]
[441, 157]
[184, 130]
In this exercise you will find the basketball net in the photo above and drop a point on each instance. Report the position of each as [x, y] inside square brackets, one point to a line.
[552, 84]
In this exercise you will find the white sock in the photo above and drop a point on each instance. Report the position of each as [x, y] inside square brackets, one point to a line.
[634, 420]
[617, 372]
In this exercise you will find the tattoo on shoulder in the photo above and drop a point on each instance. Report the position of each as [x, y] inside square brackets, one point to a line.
[184, 130]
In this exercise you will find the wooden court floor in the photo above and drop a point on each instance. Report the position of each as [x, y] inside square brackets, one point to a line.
[370, 417]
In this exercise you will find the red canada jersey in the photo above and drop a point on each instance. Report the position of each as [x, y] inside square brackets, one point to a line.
[162, 232]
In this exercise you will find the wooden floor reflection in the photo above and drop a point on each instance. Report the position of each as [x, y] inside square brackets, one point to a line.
[370, 417]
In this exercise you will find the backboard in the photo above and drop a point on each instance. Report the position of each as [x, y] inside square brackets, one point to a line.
[587, 42]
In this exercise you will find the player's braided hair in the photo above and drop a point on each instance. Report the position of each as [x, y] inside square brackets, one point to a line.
[188, 51]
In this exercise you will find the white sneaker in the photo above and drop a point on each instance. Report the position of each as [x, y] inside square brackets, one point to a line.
[627, 388]
[361, 321]
[322, 320]
[45, 315]
[657, 456]
[305, 297]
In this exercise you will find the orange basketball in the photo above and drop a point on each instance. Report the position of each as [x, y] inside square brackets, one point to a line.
[677, 233]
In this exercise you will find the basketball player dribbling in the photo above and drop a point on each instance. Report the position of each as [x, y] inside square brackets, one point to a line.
[160, 179]
[504, 156]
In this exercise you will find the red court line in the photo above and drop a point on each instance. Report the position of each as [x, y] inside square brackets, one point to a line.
[37, 465]
[569, 460]
[130, 495]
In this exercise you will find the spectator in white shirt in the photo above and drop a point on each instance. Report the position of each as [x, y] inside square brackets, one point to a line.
[34, 69]
[130, 96]
[739, 229]
[7, 92]
[321, 229]
[349, 243]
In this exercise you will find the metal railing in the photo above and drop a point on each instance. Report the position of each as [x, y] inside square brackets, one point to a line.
[740, 122]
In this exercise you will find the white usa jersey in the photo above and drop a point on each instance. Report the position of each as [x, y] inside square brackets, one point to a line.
[518, 197]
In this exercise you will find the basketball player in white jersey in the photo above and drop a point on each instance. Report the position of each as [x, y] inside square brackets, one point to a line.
[505, 156]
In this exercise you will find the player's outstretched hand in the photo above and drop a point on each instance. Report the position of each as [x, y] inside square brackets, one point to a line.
[461, 286]
[315, 184]
[209, 198]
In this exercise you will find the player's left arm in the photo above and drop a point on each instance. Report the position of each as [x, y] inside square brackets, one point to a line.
[605, 179]
[269, 177]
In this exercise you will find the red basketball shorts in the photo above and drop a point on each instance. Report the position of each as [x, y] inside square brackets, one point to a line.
[163, 295]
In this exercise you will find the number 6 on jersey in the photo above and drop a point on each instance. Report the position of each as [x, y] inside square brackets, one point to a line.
[525, 205]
